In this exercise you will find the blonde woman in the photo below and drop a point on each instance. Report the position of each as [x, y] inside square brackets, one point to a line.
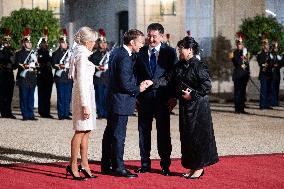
[83, 101]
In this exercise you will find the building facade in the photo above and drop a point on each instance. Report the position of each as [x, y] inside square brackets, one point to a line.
[202, 19]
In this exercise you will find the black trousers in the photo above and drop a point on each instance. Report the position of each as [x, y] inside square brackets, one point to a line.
[240, 86]
[7, 84]
[113, 142]
[159, 111]
[44, 94]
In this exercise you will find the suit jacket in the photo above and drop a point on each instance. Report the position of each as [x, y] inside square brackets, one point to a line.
[165, 63]
[262, 58]
[122, 89]
[239, 71]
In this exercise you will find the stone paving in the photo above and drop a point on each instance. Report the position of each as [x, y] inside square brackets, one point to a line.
[48, 140]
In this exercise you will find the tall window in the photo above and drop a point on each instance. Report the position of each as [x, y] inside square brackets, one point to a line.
[199, 21]
[54, 5]
[277, 7]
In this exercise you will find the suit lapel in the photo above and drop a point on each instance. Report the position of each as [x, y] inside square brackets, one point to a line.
[160, 58]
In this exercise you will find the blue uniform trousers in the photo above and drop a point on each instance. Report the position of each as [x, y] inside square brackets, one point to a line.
[275, 92]
[265, 91]
[27, 100]
[64, 93]
[100, 91]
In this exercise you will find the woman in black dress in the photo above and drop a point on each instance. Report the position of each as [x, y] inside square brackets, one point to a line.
[191, 82]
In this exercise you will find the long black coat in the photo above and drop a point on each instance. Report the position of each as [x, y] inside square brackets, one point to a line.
[198, 146]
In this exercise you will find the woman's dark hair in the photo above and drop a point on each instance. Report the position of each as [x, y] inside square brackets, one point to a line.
[189, 42]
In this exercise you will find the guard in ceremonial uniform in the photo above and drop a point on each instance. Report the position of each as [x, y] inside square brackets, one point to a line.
[44, 77]
[277, 63]
[241, 74]
[7, 80]
[63, 84]
[265, 75]
[25, 58]
[100, 77]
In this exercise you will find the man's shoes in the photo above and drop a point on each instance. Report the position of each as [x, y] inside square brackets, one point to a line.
[29, 118]
[241, 112]
[106, 171]
[11, 116]
[263, 108]
[244, 112]
[66, 117]
[33, 119]
[166, 172]
[25, 119]
[143, 170]
[125, 173]
[47, 116]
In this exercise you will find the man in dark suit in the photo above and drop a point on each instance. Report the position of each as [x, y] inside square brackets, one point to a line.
[121, 99]
[44, 80]
[154, 62]
[241, 75]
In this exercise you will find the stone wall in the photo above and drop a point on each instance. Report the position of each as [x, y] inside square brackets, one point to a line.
[7, 7]
[228, 15]
[95, 14]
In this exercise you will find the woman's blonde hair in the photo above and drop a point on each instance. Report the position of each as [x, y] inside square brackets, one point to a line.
[85, 34]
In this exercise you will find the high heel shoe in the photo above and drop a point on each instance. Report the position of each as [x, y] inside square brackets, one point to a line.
[194, 177]
[69, 170]
[85, 172]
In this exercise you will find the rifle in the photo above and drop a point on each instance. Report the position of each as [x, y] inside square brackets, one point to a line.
[104, 62]
[65, 60]
[31, 60]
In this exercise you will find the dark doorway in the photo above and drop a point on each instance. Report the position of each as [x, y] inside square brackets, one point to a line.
[123, 25]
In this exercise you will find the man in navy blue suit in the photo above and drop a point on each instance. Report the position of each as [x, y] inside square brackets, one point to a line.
[121, 100]
[154, 62]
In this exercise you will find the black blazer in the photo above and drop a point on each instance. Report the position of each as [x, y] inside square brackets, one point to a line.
[122, 89]
[166, 61]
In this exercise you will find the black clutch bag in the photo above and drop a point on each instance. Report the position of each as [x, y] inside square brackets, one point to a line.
[183, 86]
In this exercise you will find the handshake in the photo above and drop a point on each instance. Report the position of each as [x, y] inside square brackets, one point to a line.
[145, 84]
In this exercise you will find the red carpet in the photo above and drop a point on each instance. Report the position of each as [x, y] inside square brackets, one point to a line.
[255, 171]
